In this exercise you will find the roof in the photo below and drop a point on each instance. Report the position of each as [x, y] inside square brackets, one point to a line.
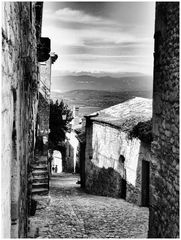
[125, 115]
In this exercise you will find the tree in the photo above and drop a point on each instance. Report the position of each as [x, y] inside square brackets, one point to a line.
[58, 125]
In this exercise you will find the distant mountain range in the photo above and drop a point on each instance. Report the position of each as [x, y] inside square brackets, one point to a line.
[97, 74]
[102, 83]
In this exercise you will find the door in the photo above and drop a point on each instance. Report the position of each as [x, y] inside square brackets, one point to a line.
[145, 183]
[82, 164]
[123, 188]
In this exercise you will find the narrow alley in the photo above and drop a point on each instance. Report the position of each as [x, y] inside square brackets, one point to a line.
[72, 213]
[90, 88]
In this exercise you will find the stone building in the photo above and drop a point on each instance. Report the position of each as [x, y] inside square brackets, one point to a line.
[22, 50]
[40, 166]
[116, 164]
[164, 202]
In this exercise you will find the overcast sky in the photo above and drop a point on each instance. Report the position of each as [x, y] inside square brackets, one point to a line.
[101, 36]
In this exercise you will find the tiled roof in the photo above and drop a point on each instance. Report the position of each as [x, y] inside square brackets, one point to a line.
[125, 115]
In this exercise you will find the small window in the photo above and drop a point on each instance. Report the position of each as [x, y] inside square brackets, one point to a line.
[121, 159]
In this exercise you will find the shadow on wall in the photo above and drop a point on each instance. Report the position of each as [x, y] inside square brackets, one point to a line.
[114, 182]
[105, 182]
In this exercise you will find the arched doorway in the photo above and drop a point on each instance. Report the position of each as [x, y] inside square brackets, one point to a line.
[57, 162]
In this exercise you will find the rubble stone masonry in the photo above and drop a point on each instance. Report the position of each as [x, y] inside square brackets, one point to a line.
[20, 74]
[164, 207]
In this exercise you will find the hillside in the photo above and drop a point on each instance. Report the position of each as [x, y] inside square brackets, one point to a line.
[93, 100]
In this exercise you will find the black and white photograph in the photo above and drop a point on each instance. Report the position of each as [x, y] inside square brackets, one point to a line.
[90, 119]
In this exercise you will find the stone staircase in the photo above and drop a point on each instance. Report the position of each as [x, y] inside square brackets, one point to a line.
[40, 181]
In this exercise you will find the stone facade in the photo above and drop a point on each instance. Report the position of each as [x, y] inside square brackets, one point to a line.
[21, 29]
[164, 209]
[44, 100]
[43, 116]
[41, 166]
[113, 162]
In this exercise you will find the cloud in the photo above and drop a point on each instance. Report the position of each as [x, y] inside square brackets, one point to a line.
[108, 33]
[77, 16]
[97, 43]
[110, 50]
[91, 37]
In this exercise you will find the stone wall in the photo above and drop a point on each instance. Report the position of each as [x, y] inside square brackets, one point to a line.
[42, 124]
[44, 104]
[104, 172]
[134, 192]
[69, 160]
[164, 209]
[20, 75]
[45, 78]
[43, 114]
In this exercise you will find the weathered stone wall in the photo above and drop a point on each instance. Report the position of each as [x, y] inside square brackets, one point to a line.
[82, 164]
[134, 192]
[20, 74]
[69, 160]
[164, 209]
[45, 78]
[42, 125]
[43, 115]
[43, 108]
[103, 170]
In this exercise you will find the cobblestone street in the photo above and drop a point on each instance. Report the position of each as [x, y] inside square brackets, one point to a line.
[72, 213]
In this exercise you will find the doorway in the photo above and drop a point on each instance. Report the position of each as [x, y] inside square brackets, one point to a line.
[145, 183]
[57, 162]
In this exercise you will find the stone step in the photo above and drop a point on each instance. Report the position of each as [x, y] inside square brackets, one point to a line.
[39, 172]
[40, 180]
[40, 157]
[40, 176]
[40, 162]
[41, 166]
[39, 185]
[40, 191]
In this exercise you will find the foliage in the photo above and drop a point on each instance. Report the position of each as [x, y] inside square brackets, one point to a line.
[143, 131]
[59, 126]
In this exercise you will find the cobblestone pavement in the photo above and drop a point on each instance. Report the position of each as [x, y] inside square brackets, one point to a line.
[72, 213]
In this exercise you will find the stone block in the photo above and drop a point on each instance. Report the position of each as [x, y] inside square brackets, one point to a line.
[168, 133]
